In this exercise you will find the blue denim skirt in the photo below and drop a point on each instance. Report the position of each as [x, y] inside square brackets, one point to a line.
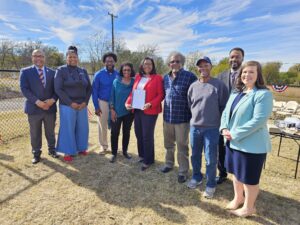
[246, 167]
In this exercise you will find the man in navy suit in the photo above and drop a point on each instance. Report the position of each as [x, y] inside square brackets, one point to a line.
[37, 86]
[236, 57]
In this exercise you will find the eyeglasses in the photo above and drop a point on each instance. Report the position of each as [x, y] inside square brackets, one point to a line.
[175, 61]
[38, 56]
[126, 70]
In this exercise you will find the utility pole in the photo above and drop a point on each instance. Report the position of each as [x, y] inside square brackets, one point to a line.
[112, 31]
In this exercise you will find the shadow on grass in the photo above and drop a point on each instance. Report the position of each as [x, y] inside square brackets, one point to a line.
[6, 157]
[123, 184]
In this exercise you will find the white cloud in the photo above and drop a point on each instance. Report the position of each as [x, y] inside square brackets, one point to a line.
[258, 18]
[178, 2]
[35, 30]
[57, 12]
[65, 35]
[86, 7]
[212, 41]
[3, 18]
[167, 29]
[118, 6]
[221, 11]
[11, 26]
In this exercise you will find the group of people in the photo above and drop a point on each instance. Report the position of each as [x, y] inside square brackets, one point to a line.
[225, 116]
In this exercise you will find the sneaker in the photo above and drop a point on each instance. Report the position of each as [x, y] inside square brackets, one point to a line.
[181, 179]
[209, 192]
[193, 183]
[165, 169]
[103, 151]
[113, 158]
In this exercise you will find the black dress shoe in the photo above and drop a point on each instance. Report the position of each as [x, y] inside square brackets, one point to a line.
[36, 160]
[220, 180]
[181, 179]
[113, 158]
[126, 155]
[165, 169]
[53, 154]
[144, 167]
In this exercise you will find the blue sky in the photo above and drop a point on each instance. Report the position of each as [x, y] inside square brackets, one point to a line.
[268, 30]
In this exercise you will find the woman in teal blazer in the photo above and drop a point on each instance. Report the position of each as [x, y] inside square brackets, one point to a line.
[244, 127]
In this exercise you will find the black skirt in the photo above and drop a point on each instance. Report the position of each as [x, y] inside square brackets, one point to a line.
[246, 167]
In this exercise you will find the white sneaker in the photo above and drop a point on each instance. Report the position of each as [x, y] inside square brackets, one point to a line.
[209, 192]
[193, 183]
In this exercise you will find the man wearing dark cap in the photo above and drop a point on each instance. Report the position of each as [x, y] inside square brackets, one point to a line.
[102, 86]
[206, 98]
[236, 57]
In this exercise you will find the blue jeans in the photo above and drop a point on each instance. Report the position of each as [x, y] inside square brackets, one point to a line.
[209, 139]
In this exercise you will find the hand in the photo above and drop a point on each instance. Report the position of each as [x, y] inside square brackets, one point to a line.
[75, 106]
[147, 106]
[226, 134]
[113, 115]
[42, 105]
[50, 102]
[82, 105]
[98, 112]
[128, 106]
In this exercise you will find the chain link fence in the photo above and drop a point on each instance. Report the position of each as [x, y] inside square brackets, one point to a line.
[13, 120]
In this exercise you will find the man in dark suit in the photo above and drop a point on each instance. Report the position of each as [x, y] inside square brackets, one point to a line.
[236, 57]
[37, 86]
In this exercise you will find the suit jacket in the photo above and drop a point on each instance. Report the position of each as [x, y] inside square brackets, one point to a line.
[248, 122]
[225, 77]
[33, 90]
[154, 93]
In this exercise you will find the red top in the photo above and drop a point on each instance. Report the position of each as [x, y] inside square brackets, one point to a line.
[154, 93]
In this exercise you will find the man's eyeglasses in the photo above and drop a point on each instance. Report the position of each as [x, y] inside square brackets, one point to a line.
[38, 56]
[175, 61]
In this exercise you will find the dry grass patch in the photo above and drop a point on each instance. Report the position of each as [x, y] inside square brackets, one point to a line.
[91, 190]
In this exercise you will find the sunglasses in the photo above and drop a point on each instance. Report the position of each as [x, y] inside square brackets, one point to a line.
[175, 61]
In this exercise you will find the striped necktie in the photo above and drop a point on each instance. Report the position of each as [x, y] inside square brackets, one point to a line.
[41, 75]
[233, 77]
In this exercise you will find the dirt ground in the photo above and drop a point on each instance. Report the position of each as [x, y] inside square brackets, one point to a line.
[91, 190]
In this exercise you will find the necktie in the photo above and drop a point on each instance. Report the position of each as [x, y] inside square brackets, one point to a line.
[42, 78]
[233, 76]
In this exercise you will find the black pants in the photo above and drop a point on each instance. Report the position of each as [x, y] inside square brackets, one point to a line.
[221, 160]
[144, 126]
[35, 126]
[115, 131]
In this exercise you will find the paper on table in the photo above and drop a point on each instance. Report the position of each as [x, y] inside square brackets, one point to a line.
[138, 100]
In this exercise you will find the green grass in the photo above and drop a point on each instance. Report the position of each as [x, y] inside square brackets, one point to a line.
[91, 190]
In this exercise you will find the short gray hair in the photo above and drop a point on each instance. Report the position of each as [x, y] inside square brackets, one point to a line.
[173, 54]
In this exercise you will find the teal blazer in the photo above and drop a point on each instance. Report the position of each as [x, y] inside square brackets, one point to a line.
[248, 122]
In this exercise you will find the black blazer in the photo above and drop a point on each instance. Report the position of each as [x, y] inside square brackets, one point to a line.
[225, 77]
[33, 90]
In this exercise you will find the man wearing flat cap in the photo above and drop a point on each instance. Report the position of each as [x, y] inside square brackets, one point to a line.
[206, 98]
